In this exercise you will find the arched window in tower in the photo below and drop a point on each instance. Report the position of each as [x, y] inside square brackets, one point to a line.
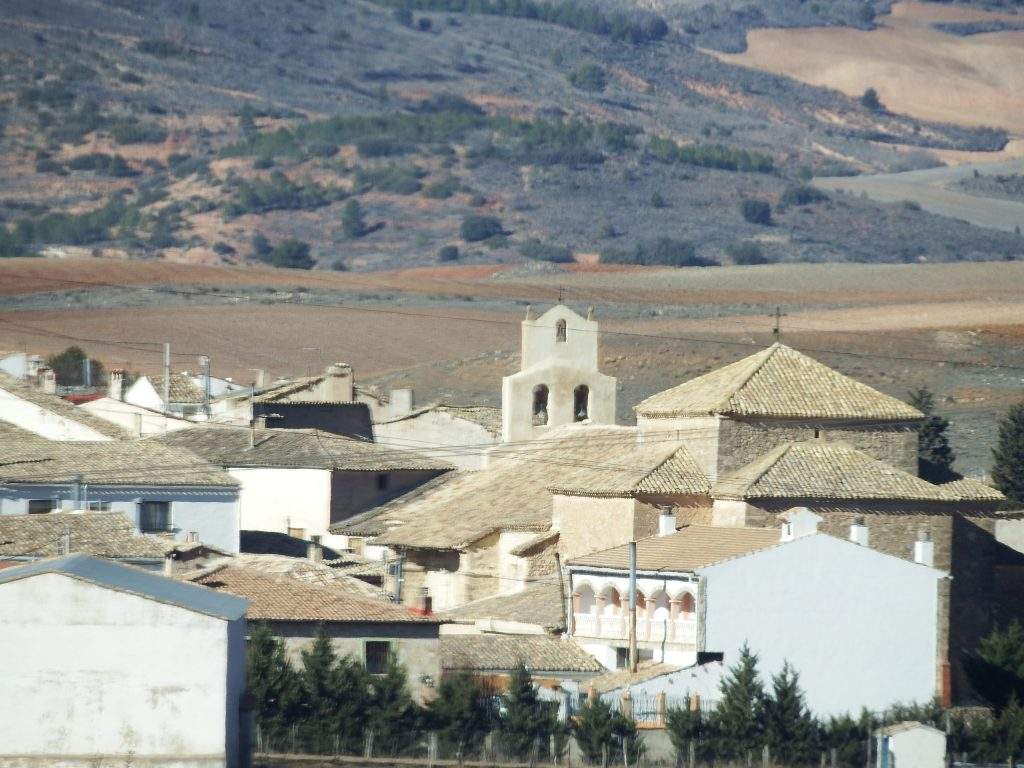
[540, 405]
[581, 403]
[560, 331]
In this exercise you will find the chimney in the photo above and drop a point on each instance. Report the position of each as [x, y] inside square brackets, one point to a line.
[169, 564]
[261, 378]
[859, 531]
[258, 423]
[314, 550]
[115, 384]
[924, 549]
[48, 381]
[666, 522]
[400, 402]
[424, 605]
[338, 383]
[192, 537]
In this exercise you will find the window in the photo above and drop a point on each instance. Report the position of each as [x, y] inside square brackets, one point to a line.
[382, 482]
[378, 656]
[560, 331]
[581, 403]
[97, 506]
[41, 506]
[621, 658]
[154, 516]
[540, 405]
[687, 604]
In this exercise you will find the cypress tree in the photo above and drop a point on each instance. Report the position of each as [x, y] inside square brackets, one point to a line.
[272, 682]
[739, 716]
[335, 698]
[1008, 467]
[392, 714]
[934, 455]
[460, 714]
[790, 730]
[527, 720]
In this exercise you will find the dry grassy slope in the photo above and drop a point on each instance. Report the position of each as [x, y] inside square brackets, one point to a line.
[354, 58]
[916, 69]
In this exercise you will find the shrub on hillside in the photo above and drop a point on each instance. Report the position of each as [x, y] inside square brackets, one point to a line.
[278, 193]
[476, 228]
[870, 100]
[159, 47]
[801, 194]
[131, 132]
[291, 254]
[746, 253]
[556, 254]
[664, 251]
[589, 77]
[448, 253]
[756, 212]
[394, 179]
[710, 156]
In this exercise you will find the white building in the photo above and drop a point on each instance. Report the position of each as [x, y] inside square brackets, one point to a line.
[910, 745]
[558, 381]
[118, 666]
[49, 416]
[134, 419]
[458, 434]
[859, 626]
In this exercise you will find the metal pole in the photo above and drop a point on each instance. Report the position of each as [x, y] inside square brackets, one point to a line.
[204, 363]
[632, 607]
[167, 376]
[399, 577]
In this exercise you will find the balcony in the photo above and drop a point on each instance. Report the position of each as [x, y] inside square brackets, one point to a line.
[681, 630]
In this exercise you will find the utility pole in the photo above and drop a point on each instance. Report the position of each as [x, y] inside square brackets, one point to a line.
[632, 607]
[167, 376]
[204, 366]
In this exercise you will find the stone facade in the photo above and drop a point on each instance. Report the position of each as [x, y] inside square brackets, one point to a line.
[587, 524]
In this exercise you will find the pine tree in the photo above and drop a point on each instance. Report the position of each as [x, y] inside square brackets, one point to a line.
[685, 725]
[460, 714]
[996, 668]
[1008, 467]
[790, 731]
[934, 455]
[601, 732]
[352, 222]
[392, 714]
[272, 682]
[334, 698]
[739, 716]
[527, 721]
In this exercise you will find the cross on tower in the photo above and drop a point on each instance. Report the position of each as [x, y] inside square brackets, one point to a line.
[561, 291]
[778, 314]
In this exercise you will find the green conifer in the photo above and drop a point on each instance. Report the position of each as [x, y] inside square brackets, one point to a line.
[273, 684]
[790, 731]
[934, 455]
[740, 714]
[527, 721]
[1008, 467]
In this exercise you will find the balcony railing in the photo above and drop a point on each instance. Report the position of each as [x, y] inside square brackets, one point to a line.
[616, 627]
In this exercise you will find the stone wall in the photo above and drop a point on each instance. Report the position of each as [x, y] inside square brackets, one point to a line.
[587, 524]
[741, 442]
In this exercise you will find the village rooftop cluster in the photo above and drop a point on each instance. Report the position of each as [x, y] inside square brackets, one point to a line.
[772, 505]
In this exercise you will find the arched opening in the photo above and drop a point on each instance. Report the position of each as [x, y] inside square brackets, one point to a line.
[540, 405]
[641, 601]
[587, 601]
[662, 609]
[612, 603]
[560, 331]
[687, 605]
[581, 403]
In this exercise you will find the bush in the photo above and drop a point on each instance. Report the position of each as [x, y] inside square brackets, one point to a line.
[137, 133]
[657, 201]
[663, 252]
[222, 248]
[801, 194]
[589, 77]
[395, 179]
[710, 156]
[476, 228]
[746, 253]
[291, 254]
[448, 253]
[159, 47]
[111, 165]
[383, 147]
[870, 100]
[557, 254]
[756, 212]
[442, 190]
[278, 193]
[48, 165]
[352, 221]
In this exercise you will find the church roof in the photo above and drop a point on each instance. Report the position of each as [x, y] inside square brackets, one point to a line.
[777, 382]
[816, 469]
[653, 468]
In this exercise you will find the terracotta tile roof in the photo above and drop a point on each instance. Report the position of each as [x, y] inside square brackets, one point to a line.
[502, 653]
[973, 490]
[620, 678]
[101, 534]
[486, 416]
[60, 407]
[378, 520]
[282, 598]
[816, 469]
[228, 446]
[540, 604]
[308, 572]
[652, 468]
[513, 493]
[183, 388]
[777, 382]
[688, 549]
[111, 463]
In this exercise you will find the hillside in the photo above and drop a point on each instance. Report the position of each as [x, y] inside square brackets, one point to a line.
[355, 135]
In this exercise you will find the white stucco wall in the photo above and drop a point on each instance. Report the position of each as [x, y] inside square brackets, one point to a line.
[921, 747]
[133, 418]
[213, 514]
[106, 673]
[144, 394]
[858, 626]
[14, 364]
[48, 424]
[426, 431]
[278, 499]
[1011, 533]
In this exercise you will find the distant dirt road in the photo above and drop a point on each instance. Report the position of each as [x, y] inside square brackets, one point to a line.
[933, 190]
